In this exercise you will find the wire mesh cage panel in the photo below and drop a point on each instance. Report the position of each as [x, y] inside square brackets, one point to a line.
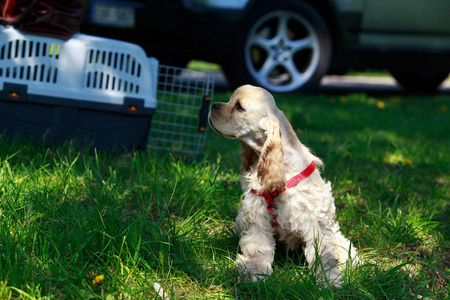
[180, 122]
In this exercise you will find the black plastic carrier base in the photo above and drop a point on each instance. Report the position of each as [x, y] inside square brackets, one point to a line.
[103, 126]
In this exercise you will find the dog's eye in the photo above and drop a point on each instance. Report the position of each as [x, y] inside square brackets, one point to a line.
[239, 107]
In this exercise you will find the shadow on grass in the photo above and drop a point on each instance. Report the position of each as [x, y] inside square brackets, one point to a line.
[69, 215]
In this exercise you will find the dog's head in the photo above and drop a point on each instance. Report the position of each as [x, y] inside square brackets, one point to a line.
[252, 116]
[240, 118]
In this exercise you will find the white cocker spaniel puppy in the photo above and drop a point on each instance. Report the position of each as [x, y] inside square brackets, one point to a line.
[285, 198]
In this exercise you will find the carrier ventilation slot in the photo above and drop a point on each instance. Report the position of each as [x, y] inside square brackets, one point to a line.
[125, 63]
[118, 61]
[17, 50]
[38, 73]
[23, 49]
[105, 81]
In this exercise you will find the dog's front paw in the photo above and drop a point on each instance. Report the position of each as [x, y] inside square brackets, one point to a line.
[329, 276]
[253, 269]
[335, 277]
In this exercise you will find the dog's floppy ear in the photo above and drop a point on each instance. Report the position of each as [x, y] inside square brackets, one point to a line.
[271, 166]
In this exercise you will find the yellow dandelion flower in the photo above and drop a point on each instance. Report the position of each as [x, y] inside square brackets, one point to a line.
[444, 108]
[380, 104]
[343, 99]
[396, 159]
[98, 279]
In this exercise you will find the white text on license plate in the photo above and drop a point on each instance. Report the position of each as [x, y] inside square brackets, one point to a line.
[113, 15]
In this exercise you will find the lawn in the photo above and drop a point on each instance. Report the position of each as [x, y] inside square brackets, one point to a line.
[84, 225]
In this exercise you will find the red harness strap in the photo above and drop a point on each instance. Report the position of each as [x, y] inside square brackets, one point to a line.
[270, 196]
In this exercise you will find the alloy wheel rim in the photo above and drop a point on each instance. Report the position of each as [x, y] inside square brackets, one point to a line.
[282, 51]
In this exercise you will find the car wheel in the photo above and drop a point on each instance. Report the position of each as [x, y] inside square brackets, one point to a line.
[420, 81]
[283, 49]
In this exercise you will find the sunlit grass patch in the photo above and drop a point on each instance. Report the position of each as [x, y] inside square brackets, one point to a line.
[69, 214]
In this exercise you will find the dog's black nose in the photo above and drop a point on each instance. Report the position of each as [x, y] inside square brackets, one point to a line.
[215, 106]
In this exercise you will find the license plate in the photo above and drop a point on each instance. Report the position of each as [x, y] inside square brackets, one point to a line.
[113, 15]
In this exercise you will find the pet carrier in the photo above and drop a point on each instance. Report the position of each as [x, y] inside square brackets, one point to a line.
[96, 90]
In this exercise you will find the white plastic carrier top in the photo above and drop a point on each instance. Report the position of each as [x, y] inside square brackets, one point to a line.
[84, 68]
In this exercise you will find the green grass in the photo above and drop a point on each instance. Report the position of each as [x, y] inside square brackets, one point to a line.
[68, 214]
[203, 66]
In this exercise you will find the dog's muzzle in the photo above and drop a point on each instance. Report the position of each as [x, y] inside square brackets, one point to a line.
[215, 106]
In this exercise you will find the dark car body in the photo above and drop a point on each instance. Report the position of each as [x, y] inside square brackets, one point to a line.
[409, 38]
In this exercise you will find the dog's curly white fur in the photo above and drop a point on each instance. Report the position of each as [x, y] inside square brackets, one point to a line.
[271, 155]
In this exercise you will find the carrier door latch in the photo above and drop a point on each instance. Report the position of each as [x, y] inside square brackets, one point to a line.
[133, 106]
[14, 92]
[203, 115]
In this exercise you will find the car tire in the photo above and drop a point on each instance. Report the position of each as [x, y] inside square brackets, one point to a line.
[282, 48]
[420, 81]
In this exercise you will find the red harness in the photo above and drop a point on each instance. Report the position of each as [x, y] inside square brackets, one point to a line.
[270, 196]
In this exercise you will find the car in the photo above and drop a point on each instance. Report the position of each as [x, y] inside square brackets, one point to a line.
[287, 45]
